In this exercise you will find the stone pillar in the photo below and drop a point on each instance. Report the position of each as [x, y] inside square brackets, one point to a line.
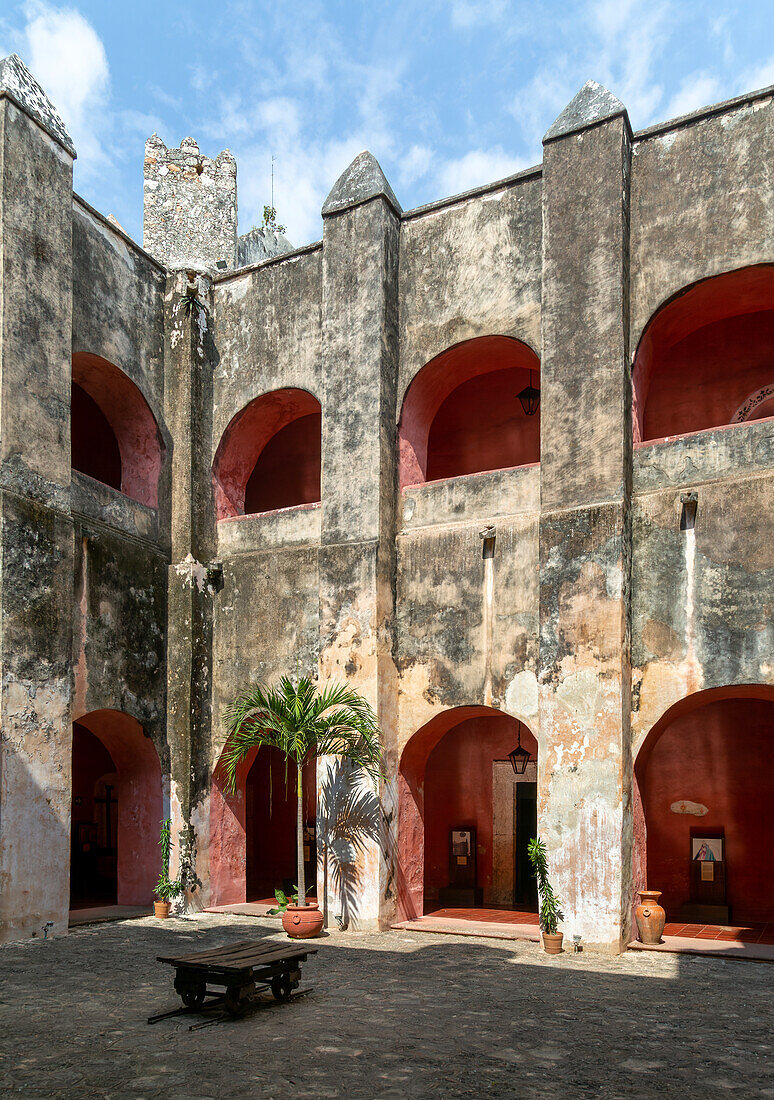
[584, 808]
[193, 576]
[36, 564]
[357, 552]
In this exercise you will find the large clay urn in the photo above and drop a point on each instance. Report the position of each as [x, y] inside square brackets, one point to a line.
[302, 922]
[650, 916]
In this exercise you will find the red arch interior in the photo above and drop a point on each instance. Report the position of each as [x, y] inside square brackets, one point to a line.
[109, 412]
[287, 472]
[715, 749]
[704, 353]
[269, 456]
[252, 829]
[445, 780]
[461, 414]
[94, 447]
[108, 737]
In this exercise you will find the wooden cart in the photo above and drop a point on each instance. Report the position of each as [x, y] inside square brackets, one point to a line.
[240, 970]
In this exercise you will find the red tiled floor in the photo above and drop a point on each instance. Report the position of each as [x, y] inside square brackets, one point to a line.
[491, 916]
[743, 933]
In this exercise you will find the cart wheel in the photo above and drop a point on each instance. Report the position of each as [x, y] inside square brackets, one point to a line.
[234, 1002]
[193, 996]
[281, 987]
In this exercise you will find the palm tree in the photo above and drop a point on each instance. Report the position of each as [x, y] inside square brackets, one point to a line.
[303, 723]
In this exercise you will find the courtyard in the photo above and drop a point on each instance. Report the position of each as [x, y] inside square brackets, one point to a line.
[394, 1014]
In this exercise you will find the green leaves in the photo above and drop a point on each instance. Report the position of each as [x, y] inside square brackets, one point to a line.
[283, 901]
[303, 723]
[165, 889]
[550, 904]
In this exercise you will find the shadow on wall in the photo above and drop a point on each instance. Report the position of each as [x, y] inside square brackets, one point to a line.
[348, 823]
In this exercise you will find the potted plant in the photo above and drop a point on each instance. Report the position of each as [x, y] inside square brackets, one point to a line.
[165, 889]
[303, 723]
[550, 911]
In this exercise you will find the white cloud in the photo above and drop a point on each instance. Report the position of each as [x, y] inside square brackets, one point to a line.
[466, 14]
[476, 168]
[415, 164]
[619, 43]
[761, 76]
[696, 90]
[67, 58]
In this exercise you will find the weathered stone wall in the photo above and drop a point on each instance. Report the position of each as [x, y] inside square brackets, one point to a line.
[701, 198]
[261, 244]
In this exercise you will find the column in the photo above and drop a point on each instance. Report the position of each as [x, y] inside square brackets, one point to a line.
[584, 785]
[357, 553]
[192, 577]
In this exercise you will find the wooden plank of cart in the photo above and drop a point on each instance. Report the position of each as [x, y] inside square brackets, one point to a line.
[237, 971]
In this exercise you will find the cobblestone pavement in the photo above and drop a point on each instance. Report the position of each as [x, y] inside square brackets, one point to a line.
[393, 1015]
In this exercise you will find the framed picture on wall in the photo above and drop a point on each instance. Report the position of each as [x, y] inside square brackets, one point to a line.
[707, 849]
[462, 843]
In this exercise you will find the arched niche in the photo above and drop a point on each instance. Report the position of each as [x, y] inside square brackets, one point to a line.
[707, 765]
[704, 359]
[445, 780]
[462, 414]
[269, 455]
[114, 435]
[114, 743]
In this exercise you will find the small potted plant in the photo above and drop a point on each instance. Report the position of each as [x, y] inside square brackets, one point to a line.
[303, 723]
[165, 889]
[550, 905]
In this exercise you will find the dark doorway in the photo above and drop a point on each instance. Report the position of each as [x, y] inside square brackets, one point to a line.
[270, 805]
[94, 838]
[526, 828]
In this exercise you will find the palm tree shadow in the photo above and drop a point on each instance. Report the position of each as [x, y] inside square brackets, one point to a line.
[348, 822]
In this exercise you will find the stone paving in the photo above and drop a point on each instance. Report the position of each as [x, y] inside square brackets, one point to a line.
[391, 1015]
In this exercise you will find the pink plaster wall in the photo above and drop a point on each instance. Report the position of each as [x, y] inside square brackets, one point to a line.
[140, 802]
[131, 421]
[717, 750]
[704, 353]
[461, 415]
[244, 440]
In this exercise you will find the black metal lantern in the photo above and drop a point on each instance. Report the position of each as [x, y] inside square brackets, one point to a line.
[530, 398]
[519, 758]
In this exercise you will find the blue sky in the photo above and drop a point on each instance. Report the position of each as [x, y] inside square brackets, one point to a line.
[446, 94]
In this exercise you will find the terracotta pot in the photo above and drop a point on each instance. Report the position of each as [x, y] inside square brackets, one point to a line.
[161, 909]
[302, 922]
[650, 916]
[552, 942]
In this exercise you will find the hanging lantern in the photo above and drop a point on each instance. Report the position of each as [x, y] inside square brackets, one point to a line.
[519, 758]
[530, 398]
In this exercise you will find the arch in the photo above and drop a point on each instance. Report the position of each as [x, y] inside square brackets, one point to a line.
[478, 736]
[111, 742]
[704, 353]
[461, 414]
[269, 455]
[707, 765]
[252, 829]
[114, 435]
